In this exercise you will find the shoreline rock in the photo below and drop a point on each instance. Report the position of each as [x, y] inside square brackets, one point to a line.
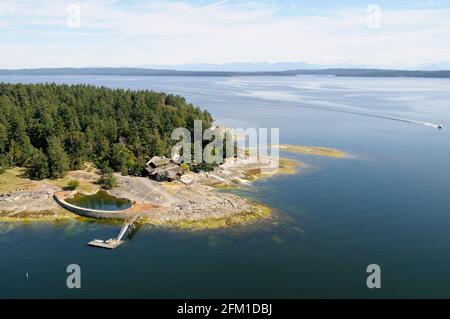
[194, 205]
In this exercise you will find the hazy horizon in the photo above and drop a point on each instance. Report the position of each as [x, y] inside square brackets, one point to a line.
[248, 67]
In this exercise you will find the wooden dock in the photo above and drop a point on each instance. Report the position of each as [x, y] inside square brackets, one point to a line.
[107, 244]
[113, 243]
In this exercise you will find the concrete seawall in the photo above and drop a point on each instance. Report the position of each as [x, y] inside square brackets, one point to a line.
[99, 214]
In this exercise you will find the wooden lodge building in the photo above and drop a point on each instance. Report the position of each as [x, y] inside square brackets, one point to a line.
[163, 169]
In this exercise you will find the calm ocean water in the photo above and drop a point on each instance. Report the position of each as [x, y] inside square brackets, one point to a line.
[389, 205]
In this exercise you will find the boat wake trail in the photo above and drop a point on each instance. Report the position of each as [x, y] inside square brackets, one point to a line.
[399, 119]
[373, 115]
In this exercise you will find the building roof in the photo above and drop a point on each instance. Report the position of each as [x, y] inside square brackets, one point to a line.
[158, 161]
[164, 168]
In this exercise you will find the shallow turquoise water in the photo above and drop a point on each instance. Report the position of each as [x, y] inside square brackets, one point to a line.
[388, 205]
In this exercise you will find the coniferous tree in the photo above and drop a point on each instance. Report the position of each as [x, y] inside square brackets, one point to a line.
[71, 125]
[21, 148]
[121, 159]
[58, 161]
[38, 166]
[3, 138]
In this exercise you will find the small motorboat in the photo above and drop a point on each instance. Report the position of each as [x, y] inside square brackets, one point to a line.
[440, 127]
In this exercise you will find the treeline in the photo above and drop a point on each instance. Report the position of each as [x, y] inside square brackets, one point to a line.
[53, 128]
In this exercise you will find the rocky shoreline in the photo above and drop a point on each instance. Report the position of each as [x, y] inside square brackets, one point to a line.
[197, 204]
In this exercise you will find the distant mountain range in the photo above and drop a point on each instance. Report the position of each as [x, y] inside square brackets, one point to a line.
[285, 66]
[443, 65]
[251, 67]
[344, 72]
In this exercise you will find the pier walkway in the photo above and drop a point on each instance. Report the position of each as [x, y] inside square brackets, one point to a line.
[129, 226]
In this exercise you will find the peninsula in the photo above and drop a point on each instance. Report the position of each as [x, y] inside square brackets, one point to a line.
[58, 142]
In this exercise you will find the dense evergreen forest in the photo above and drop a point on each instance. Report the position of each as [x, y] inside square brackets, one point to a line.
[53, 128]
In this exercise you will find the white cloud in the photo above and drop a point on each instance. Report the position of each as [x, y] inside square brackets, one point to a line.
[175, 32]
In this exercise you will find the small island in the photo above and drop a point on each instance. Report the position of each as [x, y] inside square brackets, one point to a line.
[64, 146]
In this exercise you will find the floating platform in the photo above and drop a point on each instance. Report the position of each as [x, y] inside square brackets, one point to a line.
[106, 244]
[113, 243]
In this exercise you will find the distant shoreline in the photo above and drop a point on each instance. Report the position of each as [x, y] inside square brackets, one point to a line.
[156, 72]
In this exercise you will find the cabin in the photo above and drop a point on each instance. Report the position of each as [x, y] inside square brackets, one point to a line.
[163, 169]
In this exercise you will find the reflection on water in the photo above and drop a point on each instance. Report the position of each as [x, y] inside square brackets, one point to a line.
[75, 228]
[5, 228]
[99, 201]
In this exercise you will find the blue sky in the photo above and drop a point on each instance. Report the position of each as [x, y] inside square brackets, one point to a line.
[57, 33]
